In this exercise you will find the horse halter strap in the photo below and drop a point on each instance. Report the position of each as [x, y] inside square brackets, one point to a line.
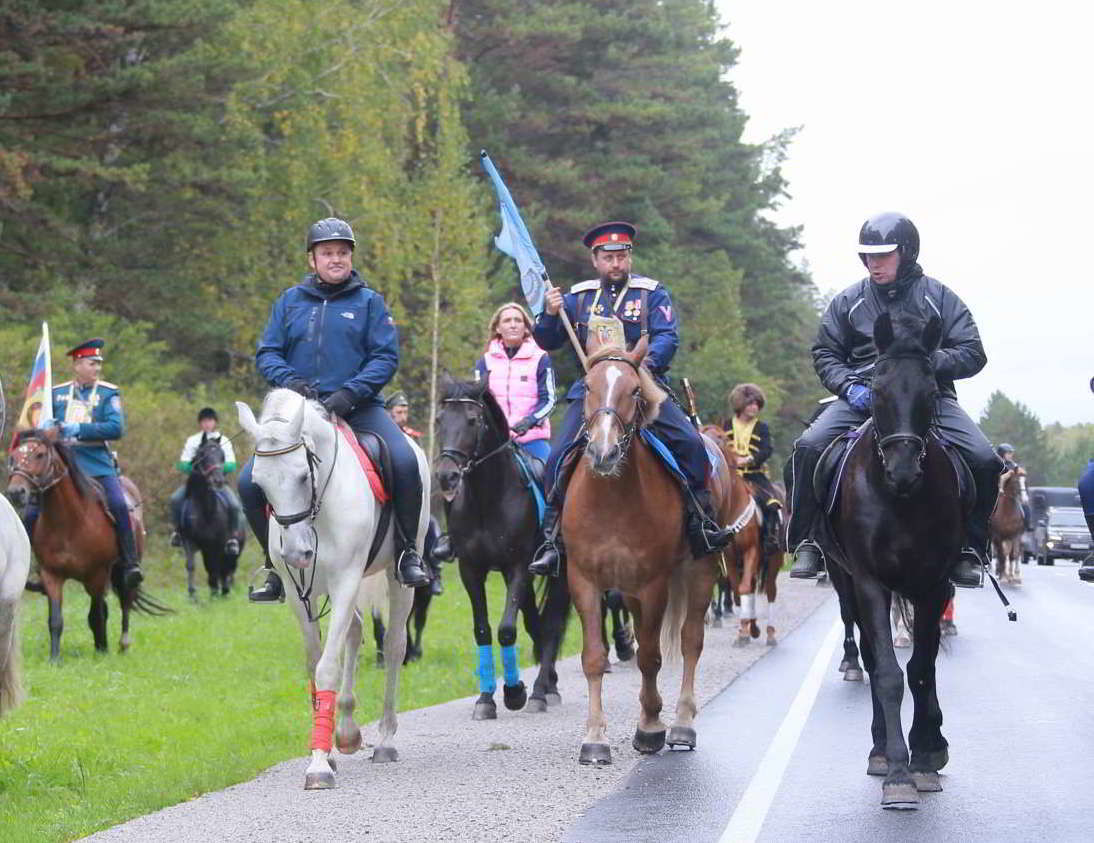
[628, 429]
[901, 436]
[51, 480]
[316, 497]
[466, 463]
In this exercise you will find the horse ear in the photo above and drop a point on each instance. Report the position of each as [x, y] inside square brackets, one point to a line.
[204, 437]
[297, 423]
[883, 332]
[247, 419]
[932, 334]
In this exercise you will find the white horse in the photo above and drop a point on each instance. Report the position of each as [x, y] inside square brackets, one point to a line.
[14, 568]
[324, 516]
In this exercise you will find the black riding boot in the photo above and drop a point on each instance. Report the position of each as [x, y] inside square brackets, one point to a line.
[271, 591]
[969, 571]
[129, 563]
[410, 569]
[549, 555]
[705, 534]
[804, 512]
[432, 539]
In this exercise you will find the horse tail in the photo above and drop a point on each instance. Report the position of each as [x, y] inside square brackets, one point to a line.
[907, 613]
[11, 658]
[147, 604]
[372, 598]
[673, 619]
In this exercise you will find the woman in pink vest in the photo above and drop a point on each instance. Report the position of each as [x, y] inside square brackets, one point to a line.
[521, 378]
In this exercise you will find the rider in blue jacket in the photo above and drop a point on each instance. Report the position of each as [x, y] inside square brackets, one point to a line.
[331, 338]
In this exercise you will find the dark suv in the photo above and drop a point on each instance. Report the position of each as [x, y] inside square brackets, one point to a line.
[1064, 534]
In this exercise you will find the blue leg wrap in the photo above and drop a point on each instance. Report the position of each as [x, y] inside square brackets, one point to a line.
[487, 683]
[510, 665]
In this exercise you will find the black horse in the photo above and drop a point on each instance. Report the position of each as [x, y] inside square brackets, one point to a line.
[494, 526]
[419, 610]
[205, 524]
[898, 529]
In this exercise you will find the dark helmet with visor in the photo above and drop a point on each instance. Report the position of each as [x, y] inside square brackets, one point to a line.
[887, 232]
[1004, 448]
[329, 229]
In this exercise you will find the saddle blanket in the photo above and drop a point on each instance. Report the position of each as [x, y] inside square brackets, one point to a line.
[367, 465]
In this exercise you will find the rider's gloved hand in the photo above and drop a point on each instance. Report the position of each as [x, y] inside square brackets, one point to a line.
[523, 426]
[302, 387]
[340, 403]
[858, 396]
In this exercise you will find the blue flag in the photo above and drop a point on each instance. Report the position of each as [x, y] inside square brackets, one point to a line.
[516, 242]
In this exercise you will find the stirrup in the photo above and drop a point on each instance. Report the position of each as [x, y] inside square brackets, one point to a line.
[547, 561]
[969, 571]
[808, 561]
[271, 591]
[411, 578]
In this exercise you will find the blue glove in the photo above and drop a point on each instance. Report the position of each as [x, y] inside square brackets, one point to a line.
[858, 396]
[69, 429]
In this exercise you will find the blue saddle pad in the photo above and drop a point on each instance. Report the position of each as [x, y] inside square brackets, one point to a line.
[662, 451]
[531, 482]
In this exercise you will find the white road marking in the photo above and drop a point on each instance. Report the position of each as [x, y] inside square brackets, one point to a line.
[751, 811]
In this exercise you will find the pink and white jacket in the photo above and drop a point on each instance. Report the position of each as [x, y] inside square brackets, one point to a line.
[524, 385]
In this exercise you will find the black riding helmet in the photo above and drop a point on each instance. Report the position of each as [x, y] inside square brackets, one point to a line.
[330, 228]
[885, 232]
[1004, 447]
[207, 413]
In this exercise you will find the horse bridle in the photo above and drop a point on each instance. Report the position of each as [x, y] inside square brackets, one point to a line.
[466, 463]
[41, 486]
[882, 442]
[630, 429]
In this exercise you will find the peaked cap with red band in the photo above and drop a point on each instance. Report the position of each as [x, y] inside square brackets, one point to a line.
[610, 236]
[92, 349]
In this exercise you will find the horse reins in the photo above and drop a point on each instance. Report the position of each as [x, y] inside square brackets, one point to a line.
[41, 486]
[630, 429]
[466, 463]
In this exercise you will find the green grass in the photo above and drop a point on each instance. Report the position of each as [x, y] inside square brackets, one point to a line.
[204, 699]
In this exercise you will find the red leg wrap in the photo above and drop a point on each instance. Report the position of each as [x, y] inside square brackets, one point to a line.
[947, 613]
[323, 721]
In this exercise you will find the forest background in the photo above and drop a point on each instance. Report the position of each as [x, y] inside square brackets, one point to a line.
[160, 161]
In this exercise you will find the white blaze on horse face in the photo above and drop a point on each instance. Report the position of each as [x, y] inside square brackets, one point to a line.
[606, 423]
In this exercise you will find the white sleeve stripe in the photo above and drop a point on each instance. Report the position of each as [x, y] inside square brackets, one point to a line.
[545, 410]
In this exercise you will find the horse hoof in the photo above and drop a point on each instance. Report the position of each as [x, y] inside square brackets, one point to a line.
[648, 742]
[717, 624]
[536, 705]
[741, 641]
[931, 762]
[485, 711]
[515, 696]
[845, 665]
[902, 642]
[681, 736]
[350, 745]
[554, 698]
[319, 781]
[595, 753]
[853, 674]
[607, 665]
[927, 782]
[877, 765]
[385, 755]
[754, 630]
[899, 796]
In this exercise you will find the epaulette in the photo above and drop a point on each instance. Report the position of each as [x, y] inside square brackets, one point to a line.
[109, 385]
[641, 282]
[585, 286]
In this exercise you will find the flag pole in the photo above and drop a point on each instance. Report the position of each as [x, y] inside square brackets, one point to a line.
[570, 331]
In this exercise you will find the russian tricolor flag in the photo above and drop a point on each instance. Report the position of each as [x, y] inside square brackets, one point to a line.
[38, 406]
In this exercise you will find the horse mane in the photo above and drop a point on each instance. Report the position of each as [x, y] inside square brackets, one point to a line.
[452, 389]
[652, 393]
[80, 480]
[279, 404]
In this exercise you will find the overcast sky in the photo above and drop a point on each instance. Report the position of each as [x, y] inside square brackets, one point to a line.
[972, 118]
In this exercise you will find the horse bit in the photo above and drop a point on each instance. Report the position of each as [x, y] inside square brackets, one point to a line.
[466, 463]
[628, 429]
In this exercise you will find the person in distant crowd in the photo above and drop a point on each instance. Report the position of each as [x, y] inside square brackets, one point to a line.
[88, 413]
[520, 376]
[843, 356]
[208, 422]
[343, 356]
[750, 440]
[644, 307]
[1005, 452]
[398, 407]
[1086, 495]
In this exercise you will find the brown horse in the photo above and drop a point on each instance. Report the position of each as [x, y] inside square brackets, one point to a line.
[623, 525]
[1007, 526]
[74, 536]
[751, 567]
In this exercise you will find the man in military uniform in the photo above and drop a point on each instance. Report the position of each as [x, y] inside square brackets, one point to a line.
[398, 407]
[645, 308]
[88, 413]
[750, 440]
[342, 355]
[844, 354]
[208, 421]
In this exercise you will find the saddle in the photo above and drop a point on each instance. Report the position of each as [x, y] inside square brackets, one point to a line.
[376, 463]
[533, 471]
[100, 496]
[828, 475]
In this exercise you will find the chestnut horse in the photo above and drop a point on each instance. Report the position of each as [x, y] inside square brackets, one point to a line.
[623, 526]
[1007, 526]
[74, 536]
[751, 568]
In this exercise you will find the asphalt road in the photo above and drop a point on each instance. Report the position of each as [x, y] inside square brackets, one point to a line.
[782, 760]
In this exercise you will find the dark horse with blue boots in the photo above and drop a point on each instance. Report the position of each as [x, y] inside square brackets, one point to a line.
[73, 535]
[494, 525]
[897, 530]
[206, 521]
